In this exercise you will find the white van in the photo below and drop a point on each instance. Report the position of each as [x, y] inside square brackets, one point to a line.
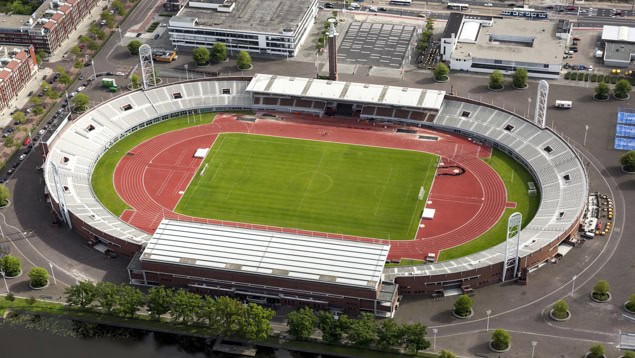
[563, 104]
[589, 234]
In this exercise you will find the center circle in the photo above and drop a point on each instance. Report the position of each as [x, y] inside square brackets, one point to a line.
[311, 182]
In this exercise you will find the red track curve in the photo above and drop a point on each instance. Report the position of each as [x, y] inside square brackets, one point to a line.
[153, 175]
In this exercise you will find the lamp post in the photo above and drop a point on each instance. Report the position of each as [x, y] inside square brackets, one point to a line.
[573, 284]
[489, 312]
[434, 340]
[586, 129]
[533, 348]
[187, 77]
[528, 106]
[92, 64]
[5, 280]
[120, 37]
[53, 273]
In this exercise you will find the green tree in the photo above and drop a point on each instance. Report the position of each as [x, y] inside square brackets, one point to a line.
[622, 88]
[302, 323]
[52, 94]
[446, 354]
[596, 351]
[75, 50]
[243, 60]
[84, 39]
[519, 78]
[159, 301]
[135, 81]
[441, 71]
[30, 301]
[560, 309]
[219, 52]
[119, 8]
[230, 314]
[9, 142]
[602, 90]
[11, 265]
[496, 80]
[10, 297]
[501, 339]
[362, 331]
[80, 101]
[78, 64]
[185, 305]
[414, 337]
[430, 24]
[256, 325]
[37, 110]
[106, 295]
[36, 100]
[39, 277]
[463, 305]
[19, 116]
[628, 354]
[129, 300]
[602, 287]
[99, 33]
[389, 334]
[45, 87]
[330, 327]
[201, 56]
[133, 47]
[630, 305]
[93, 46]
[65, 79]
[81, 295]
[106, 16]
[40, 55]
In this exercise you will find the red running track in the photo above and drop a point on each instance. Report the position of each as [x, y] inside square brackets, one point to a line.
[153, 176]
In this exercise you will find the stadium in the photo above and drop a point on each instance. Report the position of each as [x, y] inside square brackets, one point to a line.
[298, 191]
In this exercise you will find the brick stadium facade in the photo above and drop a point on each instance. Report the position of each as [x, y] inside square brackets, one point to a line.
[52, 24]
[17, 67]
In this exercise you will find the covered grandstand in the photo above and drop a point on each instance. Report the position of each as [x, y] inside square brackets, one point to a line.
[560, 175]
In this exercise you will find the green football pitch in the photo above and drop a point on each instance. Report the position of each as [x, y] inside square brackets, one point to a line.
[320, 186]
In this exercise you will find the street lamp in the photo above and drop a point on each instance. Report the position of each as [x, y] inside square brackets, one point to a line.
[533, 348]
[573, 284]
[186, 75]
[586, 129]
[120, 37]
[434, 340]
[5, 280]
[53, 273]
[528, 106]
[92, 64]
[489, 312]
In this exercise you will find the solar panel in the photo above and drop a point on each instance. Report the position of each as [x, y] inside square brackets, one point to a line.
[625, 131]
[624, 143]
[625, 118]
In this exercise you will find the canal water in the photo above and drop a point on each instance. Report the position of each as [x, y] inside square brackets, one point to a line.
[52, 338]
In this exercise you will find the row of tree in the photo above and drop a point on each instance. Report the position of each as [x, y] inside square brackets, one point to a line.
[426, 37]
[622, 90]
[519, 79]
[365, 331]
[202, 56]
[224, 316]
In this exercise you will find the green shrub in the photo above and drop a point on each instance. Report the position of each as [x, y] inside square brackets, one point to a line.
[613, 79]
[580, 76]
[630, 305]
[501, 339]
[560, 309]
[586, 77]
[39, 277]
[10, 265]
[463, 306]
[596, 351]
[567, 75]
[594, 77]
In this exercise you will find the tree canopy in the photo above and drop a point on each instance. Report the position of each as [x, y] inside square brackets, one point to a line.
[38, 276]
[81, 295]
[10, 265]
[602, 287]
[243, 60]
[441, 71]
[622, 88]
[496, 80]
[80, 101]
[302, 323]
[463, 305]
[19, 116]
[219, 52]
[133, 47]
[501, 339]
[201, 56]
[602, 90]
[363, 331]
[519, 78]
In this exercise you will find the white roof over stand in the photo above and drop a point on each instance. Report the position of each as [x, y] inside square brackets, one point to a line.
[618, 33]
[268, 253]
[346, 91]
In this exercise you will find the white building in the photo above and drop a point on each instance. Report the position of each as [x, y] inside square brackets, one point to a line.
[485, 43]
[274, 27]
[619, 45]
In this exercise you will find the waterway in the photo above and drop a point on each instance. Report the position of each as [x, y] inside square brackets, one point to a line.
[66, 339]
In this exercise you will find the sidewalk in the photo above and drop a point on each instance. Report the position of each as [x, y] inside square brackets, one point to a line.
[82, 29]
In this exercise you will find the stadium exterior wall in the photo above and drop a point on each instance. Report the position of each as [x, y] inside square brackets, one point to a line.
[415, 285]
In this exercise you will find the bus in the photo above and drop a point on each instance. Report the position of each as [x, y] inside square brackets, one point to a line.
[526, 12]
[457, 6]
[401, 2]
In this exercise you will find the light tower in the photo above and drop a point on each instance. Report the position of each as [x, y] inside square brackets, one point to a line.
[147, 66]
[540, 115]
[332, 49]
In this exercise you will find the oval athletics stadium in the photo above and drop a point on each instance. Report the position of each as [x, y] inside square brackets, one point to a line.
[306, 192]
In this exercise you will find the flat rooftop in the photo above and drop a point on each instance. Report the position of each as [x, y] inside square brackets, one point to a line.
[17, 21]
[617, 51]
[260, 252]
[546, 48]
[271, 16]
[346, 91]
[618, 33]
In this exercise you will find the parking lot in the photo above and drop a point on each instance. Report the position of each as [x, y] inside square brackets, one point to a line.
[376, 44]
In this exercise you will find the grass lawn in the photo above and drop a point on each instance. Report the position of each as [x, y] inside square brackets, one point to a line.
[320, 186]
[102, 178]
[515, 177]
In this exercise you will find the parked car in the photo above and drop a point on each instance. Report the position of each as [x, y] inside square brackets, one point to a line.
[41, 131]
[576, 39]
[27, 141]
[488, 4]
[36, 138]
[80, 88]
[328, 5]
[86, 64]
[10, 171]
[166, 25]
[139, 34]
[156, 36]
[73, 94]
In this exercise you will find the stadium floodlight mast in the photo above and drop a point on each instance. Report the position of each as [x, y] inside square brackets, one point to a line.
[147, 66]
